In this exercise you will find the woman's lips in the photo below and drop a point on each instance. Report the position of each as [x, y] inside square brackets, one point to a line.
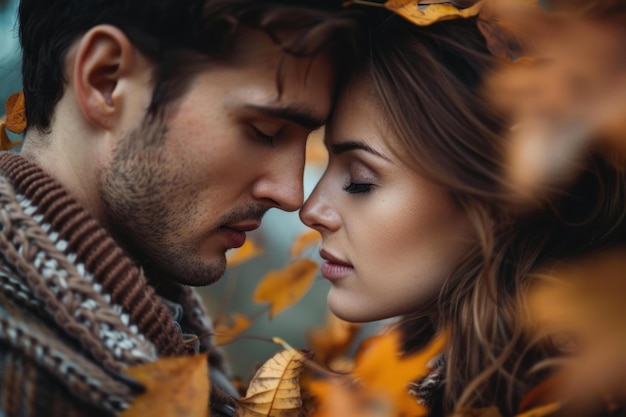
[332, 271]
[334, 268]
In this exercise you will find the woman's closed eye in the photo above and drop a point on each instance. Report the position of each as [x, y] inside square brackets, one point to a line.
[358, 188]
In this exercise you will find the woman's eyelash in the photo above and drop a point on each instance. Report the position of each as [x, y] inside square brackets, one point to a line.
[355, 188]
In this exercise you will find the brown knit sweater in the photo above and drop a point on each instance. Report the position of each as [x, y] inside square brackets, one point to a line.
[75, 311]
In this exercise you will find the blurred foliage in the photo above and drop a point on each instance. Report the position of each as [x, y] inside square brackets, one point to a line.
[563, 81]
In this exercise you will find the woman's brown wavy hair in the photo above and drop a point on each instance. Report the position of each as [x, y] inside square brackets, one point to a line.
[429, 81]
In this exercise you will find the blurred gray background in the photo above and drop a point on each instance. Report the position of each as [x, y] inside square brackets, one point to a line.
[10, 79]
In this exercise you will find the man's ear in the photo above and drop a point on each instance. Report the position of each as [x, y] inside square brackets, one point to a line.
[104, 56]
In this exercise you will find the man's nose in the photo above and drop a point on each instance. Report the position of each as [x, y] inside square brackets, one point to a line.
[283, 185]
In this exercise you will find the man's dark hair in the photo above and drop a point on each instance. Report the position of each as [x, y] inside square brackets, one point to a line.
[174, 34]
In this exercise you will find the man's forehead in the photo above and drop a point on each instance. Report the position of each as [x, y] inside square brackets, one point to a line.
[303, 86]
[256, 47]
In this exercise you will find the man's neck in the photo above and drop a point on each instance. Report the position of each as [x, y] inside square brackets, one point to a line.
[66, 163]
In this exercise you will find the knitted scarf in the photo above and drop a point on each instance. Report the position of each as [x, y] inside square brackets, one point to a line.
[75, 311]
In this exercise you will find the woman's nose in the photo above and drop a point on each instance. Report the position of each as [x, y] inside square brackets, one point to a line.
[318, 213]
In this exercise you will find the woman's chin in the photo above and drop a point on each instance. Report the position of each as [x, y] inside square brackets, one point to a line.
[355, 311]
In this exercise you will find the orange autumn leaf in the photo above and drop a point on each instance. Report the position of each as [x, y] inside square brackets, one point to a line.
[285, 287]
[428, 14]
[303, 241]
[333, 339]
[381, 367]
[338, 397]
[228, 328]
[15, 120]
[274, 390]
[16, 113]
[175, 387]
[243, 254]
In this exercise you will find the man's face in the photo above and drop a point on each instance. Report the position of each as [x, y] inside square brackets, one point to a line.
[182, 192]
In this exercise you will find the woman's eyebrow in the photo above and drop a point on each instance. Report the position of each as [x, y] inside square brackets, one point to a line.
[351, 145]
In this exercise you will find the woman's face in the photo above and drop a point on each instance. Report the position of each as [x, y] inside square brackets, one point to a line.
[390, 236]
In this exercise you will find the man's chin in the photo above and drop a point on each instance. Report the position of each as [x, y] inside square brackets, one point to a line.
[196, 273]
[208, 278]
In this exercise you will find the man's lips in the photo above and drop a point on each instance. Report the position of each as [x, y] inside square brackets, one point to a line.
[243, 227]
[236, 233]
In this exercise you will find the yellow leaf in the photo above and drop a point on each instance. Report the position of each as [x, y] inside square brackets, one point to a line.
[332, 340]
[303, 241]
[380, 365]
[228, 328]
[274, 390]
[427, 15]
[175, 387]
[285, 287]
[243, 254]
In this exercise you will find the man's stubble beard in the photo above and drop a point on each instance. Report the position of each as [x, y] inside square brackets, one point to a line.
[137, 189]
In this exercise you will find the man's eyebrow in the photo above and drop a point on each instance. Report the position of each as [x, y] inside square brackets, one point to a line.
[352, 145]
[299, 115]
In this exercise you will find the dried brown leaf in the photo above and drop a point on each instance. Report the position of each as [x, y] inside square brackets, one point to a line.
[16, 113]
[423, 16]
[274, 390]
